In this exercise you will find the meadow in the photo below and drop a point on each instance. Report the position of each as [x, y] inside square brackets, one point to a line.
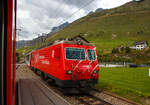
[133, 83]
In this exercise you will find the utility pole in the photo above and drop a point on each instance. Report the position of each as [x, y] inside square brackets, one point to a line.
[38, 39]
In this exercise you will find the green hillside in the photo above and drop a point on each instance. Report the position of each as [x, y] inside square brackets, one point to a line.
[111, 28]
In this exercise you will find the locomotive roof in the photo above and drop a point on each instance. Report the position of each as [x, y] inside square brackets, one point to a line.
[65, 42]
[74, 42]
[77, 40]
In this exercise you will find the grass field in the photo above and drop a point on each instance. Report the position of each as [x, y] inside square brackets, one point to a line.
[133, 83]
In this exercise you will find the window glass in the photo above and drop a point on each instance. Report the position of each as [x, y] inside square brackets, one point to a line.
[75, 53]
[28, 59]
[91, 54]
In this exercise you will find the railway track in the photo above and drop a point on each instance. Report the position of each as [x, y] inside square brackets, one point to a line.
[82, 99]
[111, 98]
[91, 100]
[94, 97]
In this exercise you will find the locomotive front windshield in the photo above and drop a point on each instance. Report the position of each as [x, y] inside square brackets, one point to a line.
[75, 53]
[91, 54]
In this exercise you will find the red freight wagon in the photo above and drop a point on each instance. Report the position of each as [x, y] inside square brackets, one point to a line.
[69, 64]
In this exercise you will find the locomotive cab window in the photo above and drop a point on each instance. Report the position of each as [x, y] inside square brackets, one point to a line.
[75, 54]
[91, 54]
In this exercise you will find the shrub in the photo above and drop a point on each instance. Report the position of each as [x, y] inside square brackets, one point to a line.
[115, 50]
[127, 50]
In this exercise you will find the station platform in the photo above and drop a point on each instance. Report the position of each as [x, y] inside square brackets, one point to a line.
[32, 91]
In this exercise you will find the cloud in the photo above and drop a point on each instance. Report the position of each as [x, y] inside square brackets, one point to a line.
[39, 16]
[106, 4]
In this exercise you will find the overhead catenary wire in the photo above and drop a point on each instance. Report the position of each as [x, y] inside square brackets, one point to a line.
[62, 6]
[64, 20]
[56, 11]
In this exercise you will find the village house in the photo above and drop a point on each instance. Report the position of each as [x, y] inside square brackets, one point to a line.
[139, 45]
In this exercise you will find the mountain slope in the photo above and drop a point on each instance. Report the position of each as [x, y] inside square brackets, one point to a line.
[111, 28]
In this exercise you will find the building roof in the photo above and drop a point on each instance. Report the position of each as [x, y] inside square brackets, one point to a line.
[140, 42]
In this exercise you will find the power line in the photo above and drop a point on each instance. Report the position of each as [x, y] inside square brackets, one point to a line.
[59, 13]
[63, 4]
[57, 10]
[77, 11]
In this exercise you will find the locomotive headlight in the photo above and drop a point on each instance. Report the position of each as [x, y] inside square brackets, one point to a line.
[95, 72]
[68, 72]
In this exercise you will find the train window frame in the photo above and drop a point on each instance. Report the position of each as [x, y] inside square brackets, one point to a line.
[94, 53]
[2, 71]
[75, 59]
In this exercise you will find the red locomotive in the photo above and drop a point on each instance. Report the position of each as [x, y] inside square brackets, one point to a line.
[68, 63]
[55, 61]
[65, 62]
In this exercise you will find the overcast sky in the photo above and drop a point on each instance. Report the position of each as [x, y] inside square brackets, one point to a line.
[39, 16]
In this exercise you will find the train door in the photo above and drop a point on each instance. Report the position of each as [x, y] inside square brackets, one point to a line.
[32, 60]
[57, 59]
